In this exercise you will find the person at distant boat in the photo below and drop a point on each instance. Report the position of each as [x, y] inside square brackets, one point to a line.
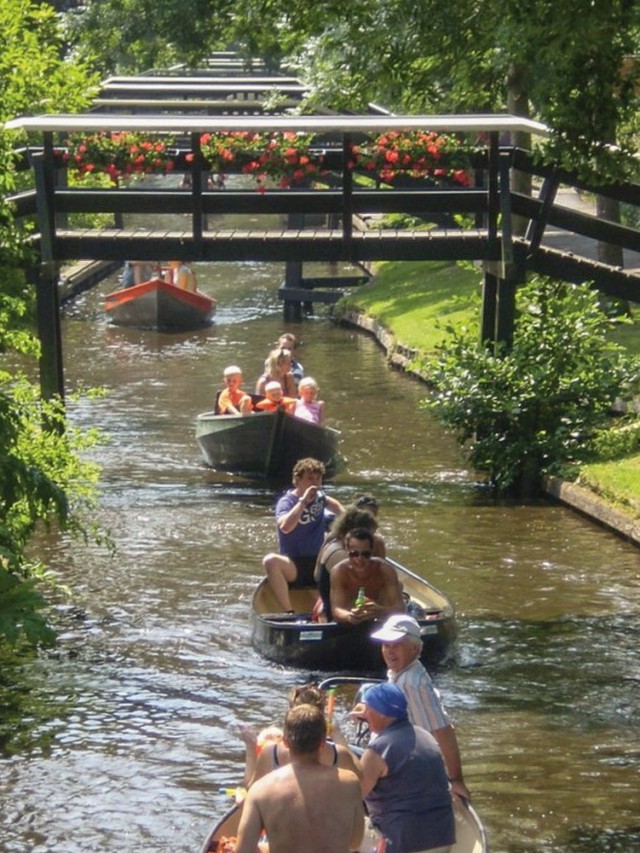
[266, 751]
[308, 407]
[288, 340]
[215, 181]
[277, 368]
[126, 276]
[300, 524]
[334, 550]
[143, 271]
[274, 399]
[232, 400]
[361, 570]
[401, 643]
[305, 805]
[404, 784]
[182, 275]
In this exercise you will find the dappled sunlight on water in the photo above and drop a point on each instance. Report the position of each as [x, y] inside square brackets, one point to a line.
[124, 736]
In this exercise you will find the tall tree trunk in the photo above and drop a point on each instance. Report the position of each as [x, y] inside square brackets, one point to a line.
[518, 105]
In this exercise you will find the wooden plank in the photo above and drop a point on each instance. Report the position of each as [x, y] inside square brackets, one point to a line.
[301, 295]
[262, 124]
[262, 80]
[247, 86]
[185, 104]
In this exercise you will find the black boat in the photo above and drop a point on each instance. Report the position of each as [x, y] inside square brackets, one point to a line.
[295, 640]
[263, 444]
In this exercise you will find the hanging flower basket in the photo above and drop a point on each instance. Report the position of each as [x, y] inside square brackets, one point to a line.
[119, 155]
[417, 154]
[284, 157]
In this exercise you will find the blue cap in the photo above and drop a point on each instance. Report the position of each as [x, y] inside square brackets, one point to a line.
[387, 699]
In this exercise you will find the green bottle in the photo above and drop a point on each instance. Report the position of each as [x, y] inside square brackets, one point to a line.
[360, 598]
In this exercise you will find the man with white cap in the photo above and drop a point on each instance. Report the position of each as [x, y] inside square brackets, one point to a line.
[401, 648]
[404, 781]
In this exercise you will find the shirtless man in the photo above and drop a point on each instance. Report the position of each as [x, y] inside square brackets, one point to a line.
[304, 806]
[383, 594]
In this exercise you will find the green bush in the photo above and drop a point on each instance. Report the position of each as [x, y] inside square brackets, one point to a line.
[534, 409]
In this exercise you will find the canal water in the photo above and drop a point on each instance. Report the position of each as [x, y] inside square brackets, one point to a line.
[124, 737]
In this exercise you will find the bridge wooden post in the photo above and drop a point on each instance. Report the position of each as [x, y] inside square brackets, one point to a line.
[47, 298]
[197, 216]
[502, 277]
[347, 188]
[292, 309]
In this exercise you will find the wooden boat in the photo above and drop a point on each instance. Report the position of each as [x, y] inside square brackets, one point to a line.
[156, 304]
[296, 641]
[470, 835]
[263, 444]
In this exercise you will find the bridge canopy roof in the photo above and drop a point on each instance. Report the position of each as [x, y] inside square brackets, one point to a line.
[317, 124]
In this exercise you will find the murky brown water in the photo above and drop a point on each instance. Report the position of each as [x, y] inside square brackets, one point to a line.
[122, 738]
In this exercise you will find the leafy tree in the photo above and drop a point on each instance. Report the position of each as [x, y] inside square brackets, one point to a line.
[42, 477]
[533, 410]
[129, 36]
[563, 63]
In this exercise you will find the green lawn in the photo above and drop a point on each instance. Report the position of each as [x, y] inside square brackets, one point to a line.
[617, 481]
[415, 300]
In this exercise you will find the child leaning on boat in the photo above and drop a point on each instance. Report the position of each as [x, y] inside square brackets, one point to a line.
[232, 400]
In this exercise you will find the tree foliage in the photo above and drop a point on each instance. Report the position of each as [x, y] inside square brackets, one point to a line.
[43, 479]
[533, 410]
[565, 64]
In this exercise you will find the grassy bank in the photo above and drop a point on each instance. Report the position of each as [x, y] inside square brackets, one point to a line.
[415, 301]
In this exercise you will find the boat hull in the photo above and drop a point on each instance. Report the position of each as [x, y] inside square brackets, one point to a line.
[296, 641]
[156, 304]
[470, 835]
[263, 444]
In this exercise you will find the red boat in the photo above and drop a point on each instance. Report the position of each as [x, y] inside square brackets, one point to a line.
[156, 304]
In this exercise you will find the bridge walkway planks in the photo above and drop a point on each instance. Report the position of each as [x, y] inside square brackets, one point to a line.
[277, 244]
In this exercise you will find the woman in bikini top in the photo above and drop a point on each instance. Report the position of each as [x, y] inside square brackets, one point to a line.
[275, 754]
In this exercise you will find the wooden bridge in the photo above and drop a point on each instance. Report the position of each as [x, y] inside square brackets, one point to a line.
[184, 108]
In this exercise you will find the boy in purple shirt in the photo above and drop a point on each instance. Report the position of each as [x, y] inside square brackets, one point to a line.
[301, 528]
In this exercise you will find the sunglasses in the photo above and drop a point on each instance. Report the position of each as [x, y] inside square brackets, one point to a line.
[365, 554]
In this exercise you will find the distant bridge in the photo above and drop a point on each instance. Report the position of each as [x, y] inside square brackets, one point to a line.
[186, 107]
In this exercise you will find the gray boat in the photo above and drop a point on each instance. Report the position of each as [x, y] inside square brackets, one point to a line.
[263, 444]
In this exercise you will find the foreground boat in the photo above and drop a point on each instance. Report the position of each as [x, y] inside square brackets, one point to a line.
[470, 836]
[156, 304]
[263, 444]
[296, 641]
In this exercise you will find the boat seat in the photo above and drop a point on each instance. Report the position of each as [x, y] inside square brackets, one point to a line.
[286, 617]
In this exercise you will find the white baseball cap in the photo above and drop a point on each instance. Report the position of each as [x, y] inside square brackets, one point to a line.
[396, 628]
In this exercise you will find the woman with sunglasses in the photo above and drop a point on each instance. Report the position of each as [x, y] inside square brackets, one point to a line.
[382, 590]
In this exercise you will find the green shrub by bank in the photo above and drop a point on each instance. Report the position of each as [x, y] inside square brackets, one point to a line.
[535, 409]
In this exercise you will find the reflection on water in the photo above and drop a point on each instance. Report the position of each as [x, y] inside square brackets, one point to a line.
[122, 737]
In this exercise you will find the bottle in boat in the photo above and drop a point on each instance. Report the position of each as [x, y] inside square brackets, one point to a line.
[360, 598]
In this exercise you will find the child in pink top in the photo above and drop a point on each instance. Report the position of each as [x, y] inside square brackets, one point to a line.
[308, 408]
